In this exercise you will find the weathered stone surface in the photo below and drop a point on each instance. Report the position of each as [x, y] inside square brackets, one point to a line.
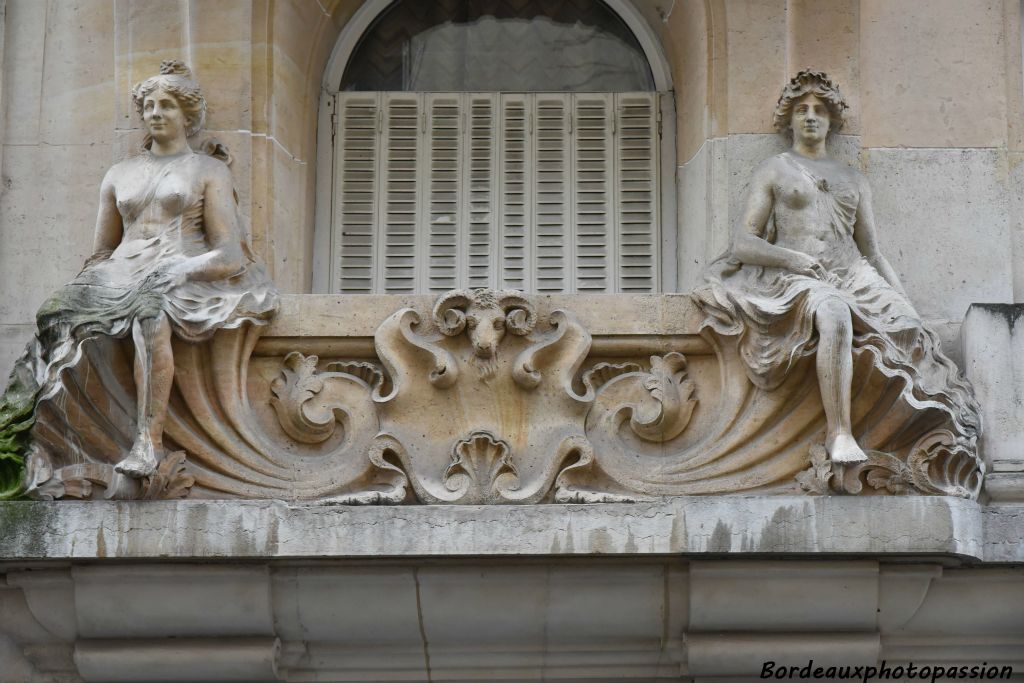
[37, 216]
[77, 94]
[24, 76]
[993, 340]
[914, 93]
[179, 660]
[726, 524]
[687, 38]
[943, 221]
[755, 65]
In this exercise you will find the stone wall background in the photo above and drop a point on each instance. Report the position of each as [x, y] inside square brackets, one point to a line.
[935, 88]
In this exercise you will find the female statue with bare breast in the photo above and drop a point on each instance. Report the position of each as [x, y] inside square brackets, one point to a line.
[804, 276]
[170, 258]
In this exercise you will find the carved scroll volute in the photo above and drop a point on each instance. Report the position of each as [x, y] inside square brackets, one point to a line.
[404, 350]
[310, 404]
[667, 412]
[298, 384]
[659, 402]
[658, 405]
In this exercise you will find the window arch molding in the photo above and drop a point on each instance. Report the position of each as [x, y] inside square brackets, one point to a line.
[347, 43]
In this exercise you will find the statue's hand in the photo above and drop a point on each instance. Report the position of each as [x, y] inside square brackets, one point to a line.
[802, 264]
[179, 272]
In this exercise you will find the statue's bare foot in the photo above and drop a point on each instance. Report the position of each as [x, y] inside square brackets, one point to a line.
[843, 448]
[141, 461]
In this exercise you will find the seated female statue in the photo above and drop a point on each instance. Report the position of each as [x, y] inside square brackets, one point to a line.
[804, 276]
[170, 258]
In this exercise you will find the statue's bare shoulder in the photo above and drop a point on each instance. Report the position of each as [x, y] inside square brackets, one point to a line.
[768, 172]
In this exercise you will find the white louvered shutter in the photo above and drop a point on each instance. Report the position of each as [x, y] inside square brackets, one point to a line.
[356, 193]
[398, 203]
[544, 192]
[636, 198]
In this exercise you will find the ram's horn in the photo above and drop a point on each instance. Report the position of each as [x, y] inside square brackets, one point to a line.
[520, 314]
[447, 316]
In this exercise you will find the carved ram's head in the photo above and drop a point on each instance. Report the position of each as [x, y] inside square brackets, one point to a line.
[487, 314]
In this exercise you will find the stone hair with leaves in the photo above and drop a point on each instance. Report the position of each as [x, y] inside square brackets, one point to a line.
[176, 78]
[810, 82]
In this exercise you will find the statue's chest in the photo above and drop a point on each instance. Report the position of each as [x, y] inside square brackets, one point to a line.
[802, 190]
[168, 195]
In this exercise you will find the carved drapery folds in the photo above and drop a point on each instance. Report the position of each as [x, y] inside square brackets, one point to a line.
[484, 397]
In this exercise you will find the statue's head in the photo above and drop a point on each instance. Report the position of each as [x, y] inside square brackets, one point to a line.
[806, 90]
[175, 79]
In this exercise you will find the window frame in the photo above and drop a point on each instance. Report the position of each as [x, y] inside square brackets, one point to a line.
[326, 166]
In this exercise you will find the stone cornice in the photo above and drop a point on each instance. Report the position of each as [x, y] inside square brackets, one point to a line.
[733, 526]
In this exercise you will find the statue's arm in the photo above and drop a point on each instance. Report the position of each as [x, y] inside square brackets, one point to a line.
[109, 228]
[748, 243]
[223, 236]
[866, 236]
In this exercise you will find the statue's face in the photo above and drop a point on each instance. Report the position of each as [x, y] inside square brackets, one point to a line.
[810, 119]
[163, 116]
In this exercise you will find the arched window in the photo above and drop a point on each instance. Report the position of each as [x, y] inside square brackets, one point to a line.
[496, 143]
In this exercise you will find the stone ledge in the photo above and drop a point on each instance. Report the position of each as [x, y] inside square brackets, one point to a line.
[730, 525]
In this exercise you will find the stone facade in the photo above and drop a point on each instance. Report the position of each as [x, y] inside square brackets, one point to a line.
[694, 588]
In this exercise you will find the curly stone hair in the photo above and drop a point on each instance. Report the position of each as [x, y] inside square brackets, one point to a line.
[810, 82]
[176, 78]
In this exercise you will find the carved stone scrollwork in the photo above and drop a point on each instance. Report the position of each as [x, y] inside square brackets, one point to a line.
[308, 412]
[668, 412]
[656, 404]
[490, 384]
[485, 398]
[662, 397]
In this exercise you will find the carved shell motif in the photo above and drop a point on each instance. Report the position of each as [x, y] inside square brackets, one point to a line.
[481, 469]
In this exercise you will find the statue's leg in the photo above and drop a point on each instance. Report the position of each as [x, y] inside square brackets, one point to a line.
[835, 377]
[154, 376]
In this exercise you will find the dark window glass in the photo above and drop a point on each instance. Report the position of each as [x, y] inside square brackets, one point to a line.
[498, 45]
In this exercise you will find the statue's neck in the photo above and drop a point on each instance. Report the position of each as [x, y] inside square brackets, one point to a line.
[812, 150]
[169, 148]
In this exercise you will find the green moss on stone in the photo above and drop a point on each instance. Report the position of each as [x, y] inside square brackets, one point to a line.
[16, 417]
